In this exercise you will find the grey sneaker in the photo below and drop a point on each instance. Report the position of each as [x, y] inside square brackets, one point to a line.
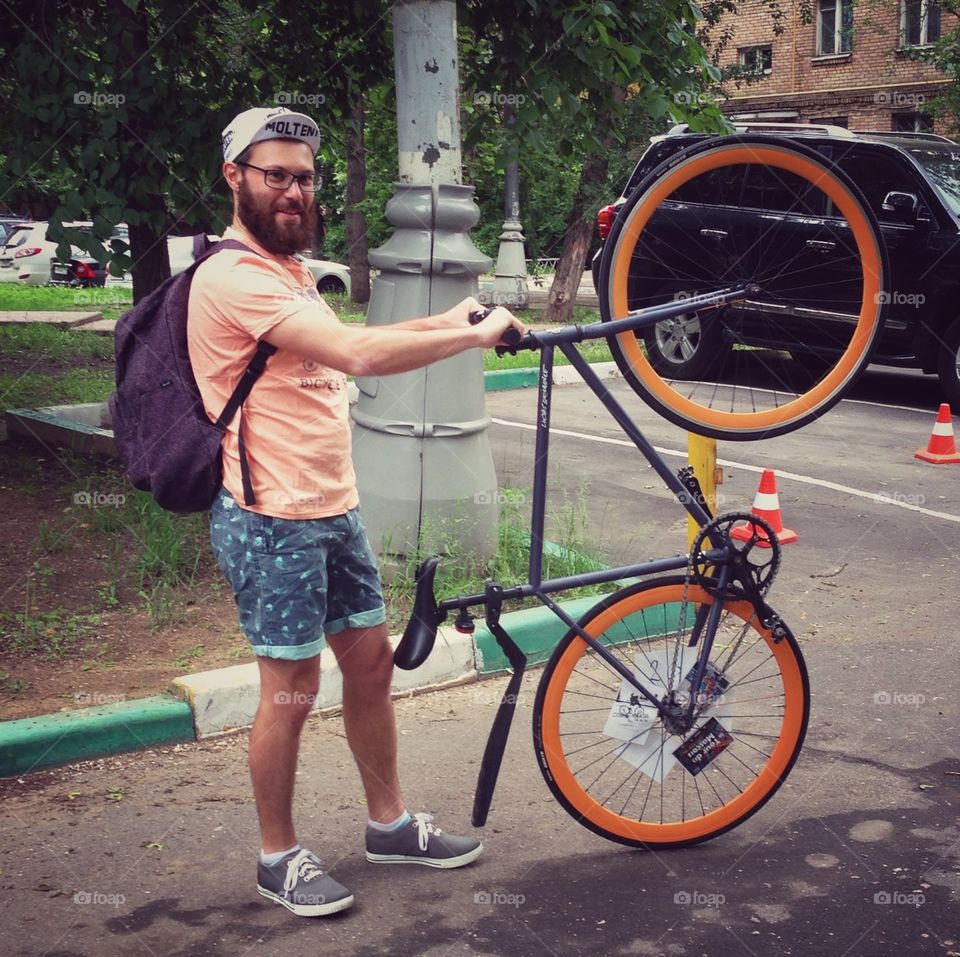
[421, 842]
[299, 882]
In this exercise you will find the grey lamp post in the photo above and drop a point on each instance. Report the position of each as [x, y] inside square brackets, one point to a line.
[419, 439]
[510, 278]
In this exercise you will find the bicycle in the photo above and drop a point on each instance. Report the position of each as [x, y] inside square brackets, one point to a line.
[675, 708]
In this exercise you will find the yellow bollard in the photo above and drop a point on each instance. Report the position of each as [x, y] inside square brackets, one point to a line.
[702, 455]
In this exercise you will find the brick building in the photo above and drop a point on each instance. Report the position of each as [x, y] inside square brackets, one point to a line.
[847, 65]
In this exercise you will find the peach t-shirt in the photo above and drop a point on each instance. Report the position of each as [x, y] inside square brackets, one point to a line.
[296, 426]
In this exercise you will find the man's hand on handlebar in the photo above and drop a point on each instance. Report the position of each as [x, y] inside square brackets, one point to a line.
[489, 324]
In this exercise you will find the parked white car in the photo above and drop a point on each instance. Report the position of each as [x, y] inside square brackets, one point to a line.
[331, 278]
[27, 254]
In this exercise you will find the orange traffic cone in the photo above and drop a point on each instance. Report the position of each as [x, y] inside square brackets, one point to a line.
[767, 506]
[942, 449]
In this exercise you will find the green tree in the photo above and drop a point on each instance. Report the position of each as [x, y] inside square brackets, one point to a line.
[130, 96]
[574, 71]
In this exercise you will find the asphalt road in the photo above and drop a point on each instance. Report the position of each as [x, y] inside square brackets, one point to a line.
[858, 854]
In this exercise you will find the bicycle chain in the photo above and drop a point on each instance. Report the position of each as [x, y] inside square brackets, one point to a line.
[753, 578]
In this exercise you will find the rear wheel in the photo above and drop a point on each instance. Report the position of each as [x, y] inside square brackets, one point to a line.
[611, 760]
[763, 212]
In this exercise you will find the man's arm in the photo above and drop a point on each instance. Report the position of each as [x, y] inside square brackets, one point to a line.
[385, 350]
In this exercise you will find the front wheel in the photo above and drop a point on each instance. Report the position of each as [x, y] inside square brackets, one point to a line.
[631, 776]
[765, 214]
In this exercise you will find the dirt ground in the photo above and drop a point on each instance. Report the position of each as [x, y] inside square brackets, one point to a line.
[74, 631]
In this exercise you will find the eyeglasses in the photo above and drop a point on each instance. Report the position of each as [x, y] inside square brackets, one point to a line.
[281, 178]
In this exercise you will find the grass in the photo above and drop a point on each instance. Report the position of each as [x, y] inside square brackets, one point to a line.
[31, 390]
[52, 633]
[40, 339]
[36, 343]
[15, 297]
[460, 572]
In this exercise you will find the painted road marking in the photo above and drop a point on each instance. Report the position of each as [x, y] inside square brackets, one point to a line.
[879, 499]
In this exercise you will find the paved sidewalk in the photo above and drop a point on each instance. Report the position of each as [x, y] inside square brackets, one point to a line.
[154, 853]
[61, 320]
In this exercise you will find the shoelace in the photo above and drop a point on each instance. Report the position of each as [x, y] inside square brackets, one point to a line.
[306, 866]
[425, 829]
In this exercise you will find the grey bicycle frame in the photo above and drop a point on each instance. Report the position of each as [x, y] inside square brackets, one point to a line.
[565, 339]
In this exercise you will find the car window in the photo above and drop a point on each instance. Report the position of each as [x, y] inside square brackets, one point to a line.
[943, 168]
[19, 236]
[877, 173]
[759, 187]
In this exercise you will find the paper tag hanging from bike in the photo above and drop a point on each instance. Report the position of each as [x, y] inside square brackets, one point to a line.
[632, 715]
[655, 755]
[703, 747]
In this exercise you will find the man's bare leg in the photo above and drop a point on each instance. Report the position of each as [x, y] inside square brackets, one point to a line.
[366, 663]
[287, 692]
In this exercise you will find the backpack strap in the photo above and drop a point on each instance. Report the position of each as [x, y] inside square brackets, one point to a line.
[253, 371]
[250, 375]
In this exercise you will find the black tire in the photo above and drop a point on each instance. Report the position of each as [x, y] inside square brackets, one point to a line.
[764, 707]
[761, 211]
[948, 365]
[331, 286]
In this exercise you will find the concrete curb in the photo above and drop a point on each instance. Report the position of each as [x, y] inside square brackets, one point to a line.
[29, 744]
[223, 700]
[226, 699]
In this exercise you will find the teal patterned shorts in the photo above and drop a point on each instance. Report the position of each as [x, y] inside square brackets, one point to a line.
[296, 581]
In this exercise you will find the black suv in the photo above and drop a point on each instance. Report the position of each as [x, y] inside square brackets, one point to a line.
[911, 181]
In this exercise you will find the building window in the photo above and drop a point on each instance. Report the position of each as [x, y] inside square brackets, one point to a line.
[834, 27]
[919, 22]
[833, 121]
[912, 123]
[757, 60]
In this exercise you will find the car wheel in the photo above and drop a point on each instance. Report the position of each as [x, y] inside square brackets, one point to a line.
[330, 285]
[948, 367]
[685, 347]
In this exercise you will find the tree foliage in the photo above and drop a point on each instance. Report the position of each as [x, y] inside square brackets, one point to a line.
[574, 73]
[125, 95]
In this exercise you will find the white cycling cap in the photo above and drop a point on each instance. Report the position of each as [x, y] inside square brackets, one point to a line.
[262, 123]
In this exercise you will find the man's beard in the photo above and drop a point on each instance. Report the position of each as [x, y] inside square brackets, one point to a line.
[280, 238]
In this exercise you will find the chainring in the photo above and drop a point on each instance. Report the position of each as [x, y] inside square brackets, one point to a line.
[754, 553]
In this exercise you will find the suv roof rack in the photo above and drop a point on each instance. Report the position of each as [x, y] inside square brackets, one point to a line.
[745, 126]
[907, 135]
